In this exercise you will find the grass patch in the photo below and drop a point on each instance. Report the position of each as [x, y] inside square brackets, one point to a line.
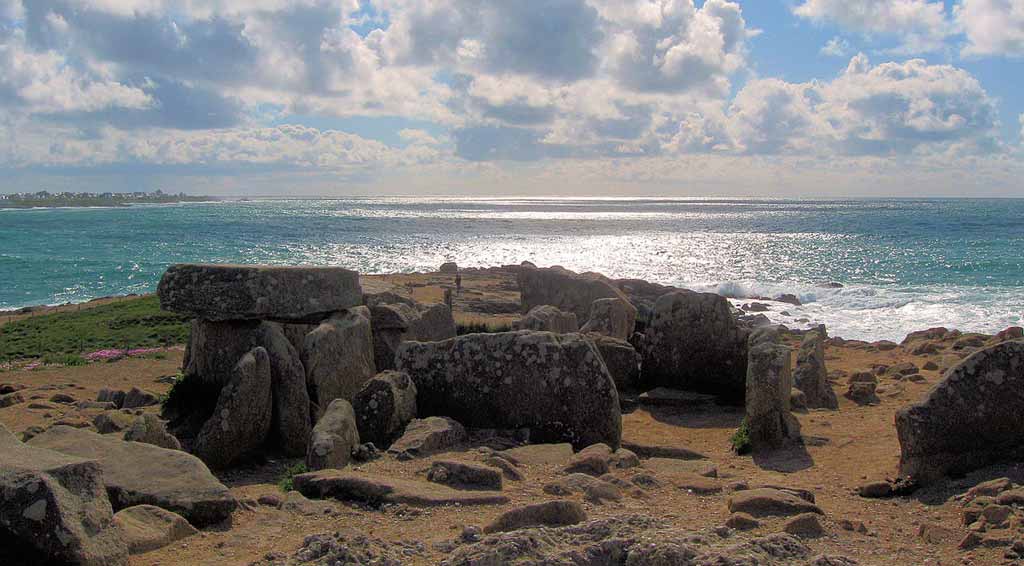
[480, 328]
[287, 482]
[741, 439]
[64, 359]
[131, 323]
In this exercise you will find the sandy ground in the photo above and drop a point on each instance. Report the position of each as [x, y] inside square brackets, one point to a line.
[848, 447]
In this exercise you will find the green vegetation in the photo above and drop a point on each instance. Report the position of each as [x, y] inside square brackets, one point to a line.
[480, 328]
[741, 439]
[287, 480]
[131, 323]
[64, 359]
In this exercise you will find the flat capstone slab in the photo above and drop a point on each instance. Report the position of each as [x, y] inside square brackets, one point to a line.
[221, 292]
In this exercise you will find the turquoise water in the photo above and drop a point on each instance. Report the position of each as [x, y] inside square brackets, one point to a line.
[904, 264]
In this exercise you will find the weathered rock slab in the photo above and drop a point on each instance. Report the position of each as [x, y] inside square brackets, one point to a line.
[768, 502]
[353, 486]
[146, 528]
[333, 437]
[257, 292]
[384, 407]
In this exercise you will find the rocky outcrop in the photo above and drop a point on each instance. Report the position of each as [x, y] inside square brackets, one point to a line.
[333, 438]
[135, 473]
[554, 384]
[146, 528]
[693, 342]
[621, 359]
[253, 292]
[384, 406]
[150, 429]
[811, 375]
[338, 357]
[564, 289]
[547, 318]
[769, 382]
[242, 417]
[54, 509]
[611, 317]
[969, 419]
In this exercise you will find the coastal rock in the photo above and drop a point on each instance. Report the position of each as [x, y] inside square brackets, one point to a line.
[384, 406]
[547, 318]
[969, 419]
[431, 435]
[391, 324]
[547, 514]
[554, 384]
[137, 398]
[54, 509]
[613, 317]
[254, 292]
[242, 417]
[621, 359]
[150, 429]
[693, 342]
[333, 437]
[135, 473]
[811, 375]
[564, 289]
[339, 357]
[769, 382]
[146, 528]
[376, 490]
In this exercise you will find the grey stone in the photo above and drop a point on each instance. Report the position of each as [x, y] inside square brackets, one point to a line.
[146, 528]
[54, 509]
[11, 399]
[242, 418]
[614, 317]
[115, 396]
[694, 343]
[548, 318]
[556, 385]
[423, 437]
[112, 421]
[291, 421]
[137, 398]
[541, 454]
[333, 437]
[392, 325]
[547, 514]
[969, 419]
[621, 359]
[466, 475]
[254, 292]
[769, 382]
[434, 322]
[338, 357]
[569, 291]
[135, 473]
[862, 393]
[150, 429]
[807, 525]
[354, 486]
[704, 468]
[384, 406]
[768, 502]
[811, 375]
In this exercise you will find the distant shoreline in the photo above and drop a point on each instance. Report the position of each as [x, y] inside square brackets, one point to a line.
[28, 204]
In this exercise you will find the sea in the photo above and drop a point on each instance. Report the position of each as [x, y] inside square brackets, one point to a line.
[903, 265]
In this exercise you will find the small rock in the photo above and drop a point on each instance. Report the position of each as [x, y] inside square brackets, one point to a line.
[765, 502]
[875, 490]
[139, 398]
[742, 522]
[431, 435]
[465, 474]
[548, 514]
[804, 525]
[146, 527]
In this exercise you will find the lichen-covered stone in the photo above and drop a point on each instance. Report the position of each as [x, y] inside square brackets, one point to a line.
[811, 375]
[338, 357]
[613, 317]
[569, 291]
[257, 292]
[548, 318]
[969, 419]
[333, 437]
[554, 384]
[384, 406]
[769, 382]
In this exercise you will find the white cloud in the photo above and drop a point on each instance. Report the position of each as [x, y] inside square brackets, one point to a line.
[920, 25]
[836, 47]
[993, 27]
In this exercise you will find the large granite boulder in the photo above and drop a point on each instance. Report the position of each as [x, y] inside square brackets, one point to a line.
[291, 420]
[433, 323]
[392, 325]
[611, 317]
[811, 375]
[554, 384]
[135, 473]
[333, 437]
[150, 429]
[146, 528]
[547, 318]
[769, 382]
[241, 420]
[569, 291]
[255, 292]
[694, 343]
[338, 357]
[384, 406]
[969, 419]
[54, 509]
[621, 359]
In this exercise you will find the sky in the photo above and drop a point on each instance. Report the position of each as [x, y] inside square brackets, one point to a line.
[765, 98]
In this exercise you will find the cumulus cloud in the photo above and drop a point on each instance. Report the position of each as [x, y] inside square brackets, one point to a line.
[836, 47]
[920, 25]
[993, 27]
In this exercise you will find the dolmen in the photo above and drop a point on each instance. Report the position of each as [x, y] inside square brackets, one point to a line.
[970, 419]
